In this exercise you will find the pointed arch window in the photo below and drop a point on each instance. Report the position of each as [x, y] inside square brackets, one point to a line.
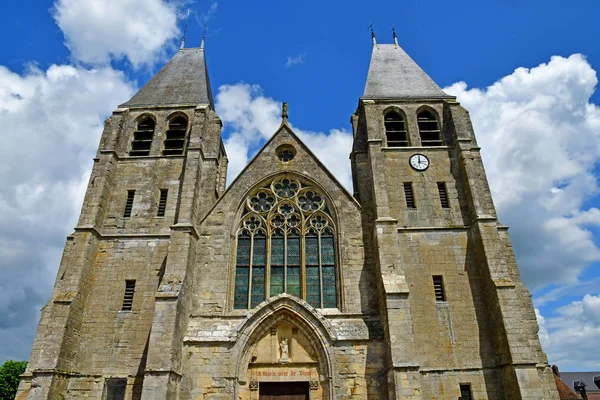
[142, 137]
[429, 129]
[286, 244]
[395, 130]
[175, 136]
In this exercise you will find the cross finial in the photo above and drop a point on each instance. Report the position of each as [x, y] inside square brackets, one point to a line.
[203, 36]
[187, 18]
[284, 111]
[372, 34]
[395, 37]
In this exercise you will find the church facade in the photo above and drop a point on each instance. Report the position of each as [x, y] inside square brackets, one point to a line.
[284, 285]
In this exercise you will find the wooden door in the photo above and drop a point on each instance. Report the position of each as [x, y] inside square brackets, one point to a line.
[283, 391]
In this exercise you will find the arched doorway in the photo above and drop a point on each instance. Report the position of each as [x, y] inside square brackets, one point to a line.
[284, 352]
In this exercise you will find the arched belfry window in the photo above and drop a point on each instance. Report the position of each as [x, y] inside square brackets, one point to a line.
[142, 137]
[175, 136]
[429, 129]
[286, 244]
[395, 130]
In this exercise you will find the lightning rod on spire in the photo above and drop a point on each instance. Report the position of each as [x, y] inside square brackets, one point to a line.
[187, 18]
[395, 37]
[373, 34]
[203, 36]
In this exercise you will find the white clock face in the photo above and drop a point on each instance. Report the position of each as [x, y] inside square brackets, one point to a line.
[419, 162]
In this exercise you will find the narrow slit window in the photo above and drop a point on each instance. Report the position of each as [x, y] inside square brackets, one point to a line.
[128, 296]
[429, 129]
[395, 130]
[438, 288]
[129, 203]
[465, 392]
[142, 138]
[175, 137]
[409, 195]
[115, 389]
[162, 202]
[443, 194]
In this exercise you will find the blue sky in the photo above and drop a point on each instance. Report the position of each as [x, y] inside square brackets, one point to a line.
[66, 64]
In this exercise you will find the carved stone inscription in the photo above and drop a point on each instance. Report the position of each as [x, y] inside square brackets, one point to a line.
[281, 374]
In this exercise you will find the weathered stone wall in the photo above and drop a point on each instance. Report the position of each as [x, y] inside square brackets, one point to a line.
[84, 337]
[435, 346]
[114, 341]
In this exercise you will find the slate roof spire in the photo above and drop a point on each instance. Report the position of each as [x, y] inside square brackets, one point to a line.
[393, 74]
[182, 81]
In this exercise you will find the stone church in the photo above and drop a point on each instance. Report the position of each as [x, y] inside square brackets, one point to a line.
[285, 285]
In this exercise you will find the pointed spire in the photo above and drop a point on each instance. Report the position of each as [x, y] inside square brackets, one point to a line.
[373, 35]
[182, 81]
[394, 34]
[394, 75]
[284, 112]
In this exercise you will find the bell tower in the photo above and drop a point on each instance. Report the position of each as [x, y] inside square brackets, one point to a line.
[458, 321]
[113, 326]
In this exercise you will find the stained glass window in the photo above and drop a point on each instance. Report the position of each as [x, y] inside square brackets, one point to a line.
[242, 272]
[286, 243]
[259, 258]
[328, 270]
[277, 263]
[293, 264]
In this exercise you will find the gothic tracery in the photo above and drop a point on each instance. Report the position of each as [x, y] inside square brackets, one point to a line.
[286, 243]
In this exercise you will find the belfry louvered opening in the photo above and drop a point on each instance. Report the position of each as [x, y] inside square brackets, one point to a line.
[129, 203]
[128, 296]
[142, 137]
[438, 288]
[175, 137]
[395, 130]
[286, 244]
[429, 129]
[409, 195]
[443, 194]
[162, 202]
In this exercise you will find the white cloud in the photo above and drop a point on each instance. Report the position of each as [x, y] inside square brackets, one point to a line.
[540, 139]
[295, 60]
[50, 124]
[254, 118]
[205, 17]
[97, 31]
[570, 338]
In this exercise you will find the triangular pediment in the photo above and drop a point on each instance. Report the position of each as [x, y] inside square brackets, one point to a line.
[270, 160]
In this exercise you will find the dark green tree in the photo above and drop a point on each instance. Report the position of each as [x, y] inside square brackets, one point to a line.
[9, 378]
